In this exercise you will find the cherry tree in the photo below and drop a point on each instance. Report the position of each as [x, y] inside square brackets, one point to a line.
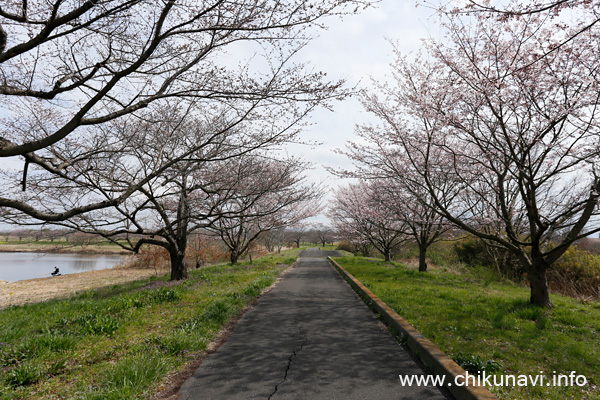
[296, 232]
[358, 214]
[274, 239]
[514, 144]
[583, 15]
[67, 68]
[323, 234]
[272, 196]
[382, 160]
[170, 172]
[415, 208]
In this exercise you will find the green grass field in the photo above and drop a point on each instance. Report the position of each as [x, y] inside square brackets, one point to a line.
[121, 342]
[488, 324]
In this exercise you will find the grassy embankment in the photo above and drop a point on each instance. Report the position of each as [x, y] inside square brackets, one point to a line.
[122, 342]
[486, 323]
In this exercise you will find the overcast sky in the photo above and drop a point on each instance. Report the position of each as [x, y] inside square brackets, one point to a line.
[357, 48]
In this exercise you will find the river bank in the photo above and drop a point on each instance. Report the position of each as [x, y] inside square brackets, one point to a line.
[60, 248]
[42, 289]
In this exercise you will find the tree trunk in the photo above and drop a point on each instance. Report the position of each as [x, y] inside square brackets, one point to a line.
[233, 258]
[365, 250]
[422, 258]
[298, 243]
[178, 267]
[539, 285]
[386, 255]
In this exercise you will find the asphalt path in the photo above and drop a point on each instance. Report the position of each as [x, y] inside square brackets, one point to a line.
[310, 337]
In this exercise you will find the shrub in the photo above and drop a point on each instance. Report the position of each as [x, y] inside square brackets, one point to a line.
[155, 257]
[475, 252]
[345, 246]
[576, 274]
[408, 250]
[365, 249]
[204, 249]
[441, 253]
[471, 251]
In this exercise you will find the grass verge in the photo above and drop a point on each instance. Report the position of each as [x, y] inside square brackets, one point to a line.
[485, 324]
[121, 342]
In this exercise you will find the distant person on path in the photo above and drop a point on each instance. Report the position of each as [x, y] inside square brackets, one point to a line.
[56, 272]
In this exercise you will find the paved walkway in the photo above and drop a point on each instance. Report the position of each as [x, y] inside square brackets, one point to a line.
[312, 338]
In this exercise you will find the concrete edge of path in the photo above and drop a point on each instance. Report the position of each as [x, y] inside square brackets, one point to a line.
[432, 357]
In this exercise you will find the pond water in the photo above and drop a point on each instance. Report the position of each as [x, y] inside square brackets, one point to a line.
[21, 266]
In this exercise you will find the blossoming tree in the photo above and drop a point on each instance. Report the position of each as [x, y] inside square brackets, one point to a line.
[358, 215]
[518, 141]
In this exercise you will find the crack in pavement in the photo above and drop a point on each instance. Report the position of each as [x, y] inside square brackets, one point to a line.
[289, 365]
